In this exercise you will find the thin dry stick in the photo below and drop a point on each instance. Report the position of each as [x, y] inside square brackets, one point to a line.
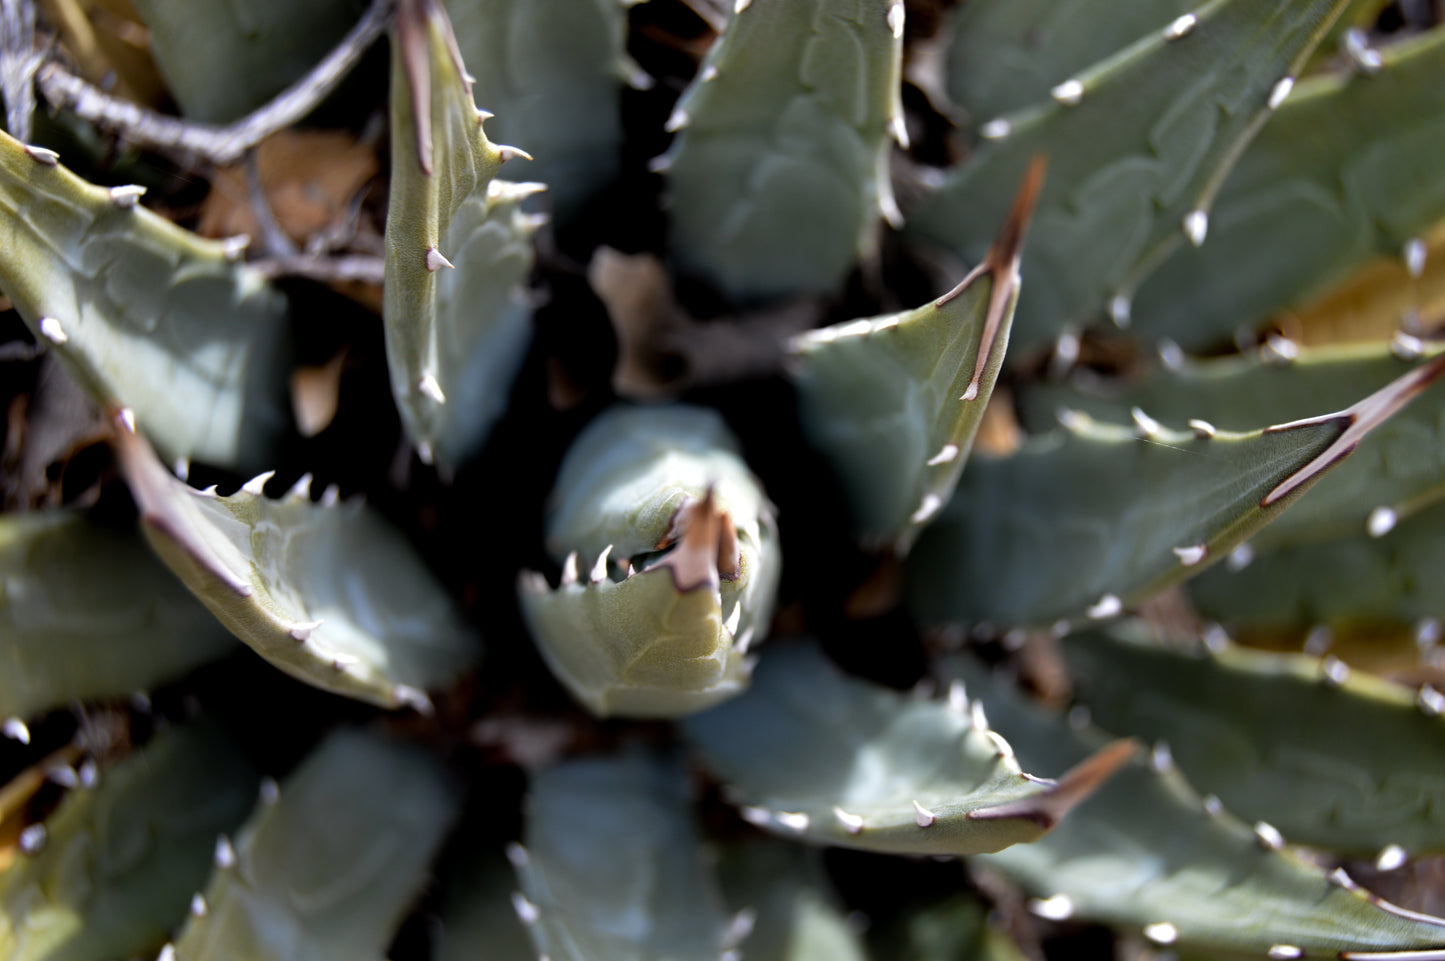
[18, 61]
[364, 268]
[219, 144]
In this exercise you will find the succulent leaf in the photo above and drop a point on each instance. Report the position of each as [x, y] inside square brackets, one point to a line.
[324, 868]
[88, 613]
[441, 207]
[326, 592]
[1347, 170]
[824, 758]
[1179, 106]
[223, 58]
[612, 869]
[687, 565]
[780, 168]
[120, 860]
[1328, 757]
[784, 895]
[143, 314]
[894, 402]
[1147, 853]
[555, 92]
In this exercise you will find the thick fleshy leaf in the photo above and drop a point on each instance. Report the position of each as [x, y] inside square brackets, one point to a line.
[144, 314]
[1331, 759]
[118, 862]
[821, 757]
[780, 169]
[1398, 468]
[1137, 146]
[894, 402]
[327, 592]
[1352, 585]
[789, 912]
[1095, 517]
[87, 612]
[1146, 853]
[686, 565]
[612, 869]
[555, 92]
[222, 59]
[442, 164]
[326, 866]
[1347, 170]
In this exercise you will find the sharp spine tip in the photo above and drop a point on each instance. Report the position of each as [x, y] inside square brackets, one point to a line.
[527, 912]
[42, 155]
[1120, 308]
[225, 855]
[569, 569]
[1430, 701]
[1334, 671]
[1196, 226]
[15, 730]
[127, 196]
[1268, 836]
[32, 839]
[1285, 952]
[1414, 253]
[1107, 606]
[168, 952]
[435, 261]
[430, 389]
[946, 455]
[676, 120]
[270, 791]
[895, 19]
[53, 332]
[852, 823]
[1181, 27]
[1057, 908]
[301, 631]
[923, 817]
[1161, 932]
[1381, 521]
[1391, 857]
[1070, 93]
[256, 485]
[598, 574]
[1279, 92]
[1191, 555]
[996, 129]
[301, 490]
[199, 907]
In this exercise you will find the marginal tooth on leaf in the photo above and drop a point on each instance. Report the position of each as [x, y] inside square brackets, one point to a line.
[517, 855]
[1268, 836]
[270, 791]
[1381, 521]
[930, 506]
[208, 492]
[569, 569]
[50, 327]
[1120, 308]
[895, 19]
[957, 698]
[923, 817]
[676, 120]
[1357, 47]
[168, 952]
[527, 912]
[88, 774]
[182, 468]
[508, 191]
[1212, 805]
[745, 641]
[1181, 27]
[1191, 555]
[1196, 226]
[1203, 429]
[32, 839]
[64, 775]
[125, 197]
[946, 455]
[734, 619]
[234, 248]
[424, 452]
[1391, 857]
[532, 582]
[1215, 638]
[414, 698]
[301, 490]
[996, 129]
[756, 815]
[977, 717]
[1285, 952]
[1069, 93]
[1414, 255]
[1171, 355]
[740, 927]
[1066, 349]
[199, 907]
[1279, 92]
[1334, 671]
[1108, 606]
[126, 416]
[429, 387]
[42, 155]
[709, 73]
[1002, 749]
[852, 823]
[1144, 425]
[598, 574]
[331, 496]
[1279, 351]
[660, 164]
[1318, 640]
[1161, 759]
[1161, 932]
[483, 115]
[511, 153]
[1430, 701]
[257, 484]
[301, 631]
[340, 662]
[1240, 558]
[740, 5]
[224, 857]
[1407, 346]
[435, 261]
[15, 730]
[792, 820]
[1428, 631]
[1056, 908]
[898, 130]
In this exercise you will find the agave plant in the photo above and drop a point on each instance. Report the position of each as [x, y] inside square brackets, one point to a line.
[875, 480]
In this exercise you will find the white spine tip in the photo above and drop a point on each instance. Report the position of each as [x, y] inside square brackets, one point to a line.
[895, 19]
[15, 730]
[225, 856]
[1279, 92]
[1268, 836]
[898, 130]
[1181, 27]
[1161, 759]
[1196, 226]
[709, 73]
[1279, 350]
[569, 569]
[958, 698]
[126, 197]
[971, 393]
[946, 455]
[181, 468]
[1107, 606]
[50, 327]
[270, 791]
[1120, 308]
[1203, 429]
[1431, 701]
[511, 153]
[64, 775]
[756, 816]
[978, 718]
[1212, 805]
[168, 953]
[430, 388]
[1413, 253]
[1002, 749]
[1318, 640]
[676, 120]
[598, 573]
[1057, 908]
[32, 839]
[734, 619]
[199, 907]
[42, 155]
[234, 248]
[741, 5]
[1407, 346]
[1334, 671]
[1191, 555]
[301, 631]
[435, 261]
[852, 823]
[1381, 521]
[1069, 93]
[414, 698]
[931, 505]
[257, 485]
[331, 496]
[527, 912]
[796, 821]
[127, 419]
[1357, 47]
[1285, 952]
[301, 490]
[1240, 558]
[89, 774]
[1390, 858]
[995, 129]
[517, 855]
[1161, 932]
[923, 817]
[1144, 425]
